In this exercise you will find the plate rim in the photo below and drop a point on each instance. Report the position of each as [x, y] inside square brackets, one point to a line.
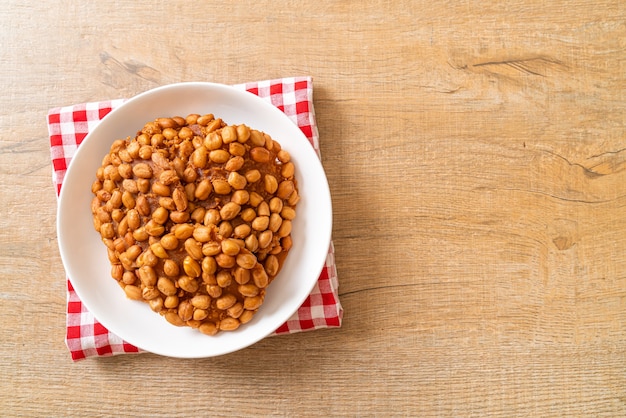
[63, 197]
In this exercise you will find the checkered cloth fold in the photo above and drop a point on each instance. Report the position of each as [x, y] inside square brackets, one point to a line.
[69, 125]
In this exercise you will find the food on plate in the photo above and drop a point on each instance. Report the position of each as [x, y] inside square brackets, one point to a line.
[196, 217]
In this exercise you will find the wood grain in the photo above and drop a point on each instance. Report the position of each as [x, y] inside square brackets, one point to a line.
[476, 157]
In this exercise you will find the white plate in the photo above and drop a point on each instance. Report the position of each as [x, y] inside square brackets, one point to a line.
[84, 255]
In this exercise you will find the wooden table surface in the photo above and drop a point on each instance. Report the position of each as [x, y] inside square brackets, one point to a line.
[476, 154]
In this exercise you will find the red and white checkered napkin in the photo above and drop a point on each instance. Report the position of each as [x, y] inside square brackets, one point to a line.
[69, 125]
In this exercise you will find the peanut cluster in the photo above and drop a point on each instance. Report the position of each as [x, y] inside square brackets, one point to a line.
[196, 218]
